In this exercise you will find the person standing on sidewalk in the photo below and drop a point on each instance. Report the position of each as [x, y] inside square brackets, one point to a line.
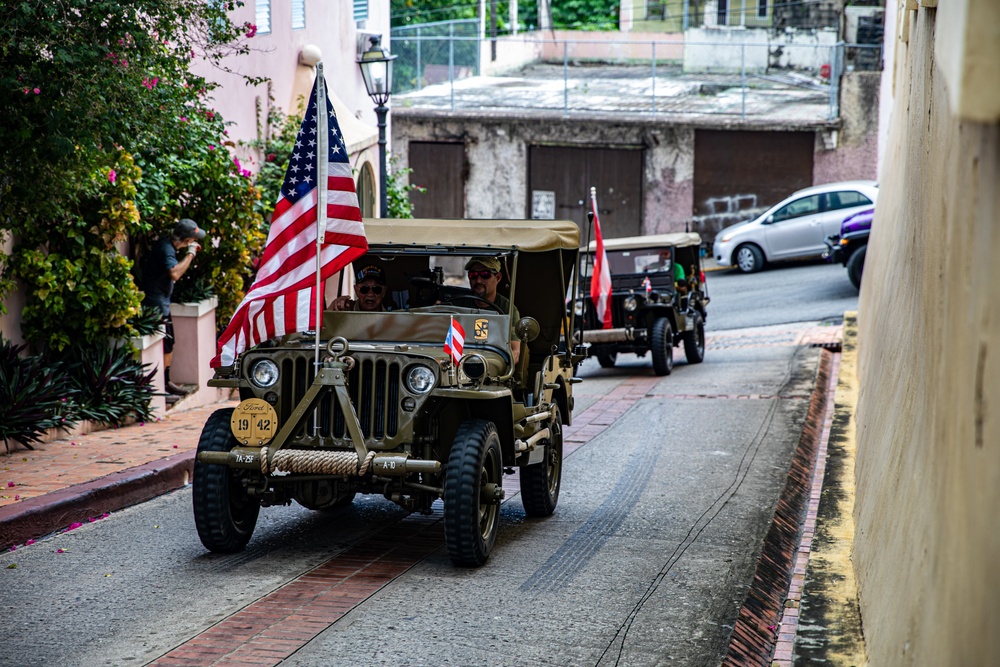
[161, 270]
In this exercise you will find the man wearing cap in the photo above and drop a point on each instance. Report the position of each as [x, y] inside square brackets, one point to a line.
[369, 291]
[484, 278]
[161, 270]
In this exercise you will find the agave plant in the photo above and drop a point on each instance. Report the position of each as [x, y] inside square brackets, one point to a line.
[110, 384]
[34, 397]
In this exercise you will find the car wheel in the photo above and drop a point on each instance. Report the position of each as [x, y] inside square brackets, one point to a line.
[662, 346]
[224, 513]
[748, 258]
[694, 341]
[607, 359]
[540, 482]
[855, 265]
[471, 493]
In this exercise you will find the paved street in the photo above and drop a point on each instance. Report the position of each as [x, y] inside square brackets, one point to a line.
[668, 489]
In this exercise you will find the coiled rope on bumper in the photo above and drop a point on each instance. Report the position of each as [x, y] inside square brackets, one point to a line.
[317, 461]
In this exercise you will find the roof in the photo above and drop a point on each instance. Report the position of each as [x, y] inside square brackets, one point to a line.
[679, 239]
[527, 235]
[839, 185]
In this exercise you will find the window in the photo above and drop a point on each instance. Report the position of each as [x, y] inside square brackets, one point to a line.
[263, 16]
[360, 10]
[762, 9]
[298, 14]
[846, 199]
[366, 191]
[798, 208]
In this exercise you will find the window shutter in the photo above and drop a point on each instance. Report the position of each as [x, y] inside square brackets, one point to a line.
[360, 10]
[298, 14]
[263, 16]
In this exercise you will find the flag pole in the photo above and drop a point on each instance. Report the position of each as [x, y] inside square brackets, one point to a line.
[322, 178]
[588, 262]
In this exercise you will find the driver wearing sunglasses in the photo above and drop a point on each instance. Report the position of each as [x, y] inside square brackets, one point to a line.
[484, 278]
[369, 291]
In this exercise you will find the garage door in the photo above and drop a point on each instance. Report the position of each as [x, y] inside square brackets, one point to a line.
[565, 174]
[738, 171]
[439, 167]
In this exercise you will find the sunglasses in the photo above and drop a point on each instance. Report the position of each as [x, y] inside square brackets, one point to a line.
[485, 274]
[364, 289]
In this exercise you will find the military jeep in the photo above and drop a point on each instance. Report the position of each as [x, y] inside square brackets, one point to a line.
[388, 411]
[653, 309]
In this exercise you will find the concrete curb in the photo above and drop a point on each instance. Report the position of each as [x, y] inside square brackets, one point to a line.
[39, 516]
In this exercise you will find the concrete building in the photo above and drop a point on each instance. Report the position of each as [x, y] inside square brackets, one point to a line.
[693, 130]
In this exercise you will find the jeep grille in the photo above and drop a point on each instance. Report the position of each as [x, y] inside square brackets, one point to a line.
[373, 386]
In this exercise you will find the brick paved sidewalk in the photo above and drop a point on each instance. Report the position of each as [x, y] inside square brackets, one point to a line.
[67, 480]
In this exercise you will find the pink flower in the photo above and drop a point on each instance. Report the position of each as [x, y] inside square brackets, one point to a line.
[142, 423]
[210, 115]
[60, 551]
[112, 176]
[38, 91]
[251, 29]
[271, 157]
[28, 543]
[211, 147]
[26, 91]
[151, 83]
[73, 526]
[184, 119]
[11, 485]
[17, 497]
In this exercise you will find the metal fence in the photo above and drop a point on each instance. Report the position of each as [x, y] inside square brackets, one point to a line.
[767, 78]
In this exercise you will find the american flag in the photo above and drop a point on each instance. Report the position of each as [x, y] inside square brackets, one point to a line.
[600, 280]
[283, 297]
[454, 341]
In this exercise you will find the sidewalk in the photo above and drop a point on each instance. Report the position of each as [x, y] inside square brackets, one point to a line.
[81, 479]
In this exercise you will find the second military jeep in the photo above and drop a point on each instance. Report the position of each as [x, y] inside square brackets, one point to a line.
[387, 411]
[658, 300]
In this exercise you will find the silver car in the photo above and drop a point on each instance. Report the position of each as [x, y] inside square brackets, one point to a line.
[794, 228]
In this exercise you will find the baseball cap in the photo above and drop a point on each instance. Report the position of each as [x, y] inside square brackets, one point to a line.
[187, 228]
[491, 263]
[371, 271]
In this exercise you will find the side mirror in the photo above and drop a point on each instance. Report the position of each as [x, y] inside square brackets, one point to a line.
[527, 329]
[769, 220]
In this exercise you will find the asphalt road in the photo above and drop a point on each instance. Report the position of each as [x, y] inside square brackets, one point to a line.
[645, 562]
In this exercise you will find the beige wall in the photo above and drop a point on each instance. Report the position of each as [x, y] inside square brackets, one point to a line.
[927, 547]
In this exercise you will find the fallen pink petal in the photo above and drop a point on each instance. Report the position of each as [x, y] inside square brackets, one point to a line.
[13, 547]
[11, 485]
[74, 525]
[60, 551]
[28, 543]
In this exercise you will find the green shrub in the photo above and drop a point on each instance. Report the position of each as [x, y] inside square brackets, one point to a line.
[109, 385]
[34, 397]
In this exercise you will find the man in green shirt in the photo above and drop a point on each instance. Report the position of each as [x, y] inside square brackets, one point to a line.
[484, 277]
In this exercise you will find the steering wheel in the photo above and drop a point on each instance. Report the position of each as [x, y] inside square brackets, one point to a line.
[479, 301]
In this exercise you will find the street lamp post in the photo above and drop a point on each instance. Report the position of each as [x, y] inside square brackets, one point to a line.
[376, 69]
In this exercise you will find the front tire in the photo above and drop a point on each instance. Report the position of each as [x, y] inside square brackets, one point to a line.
[748, 258]
[224, 512]
[662, 346]
[855, 265]
[540, 482]
[694, 341]
[471, 510]
[607, 359]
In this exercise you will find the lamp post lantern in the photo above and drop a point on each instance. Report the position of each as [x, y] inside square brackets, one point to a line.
[376, 69]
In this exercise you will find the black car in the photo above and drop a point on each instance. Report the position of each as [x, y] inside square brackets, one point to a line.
[851, 245]
[658, 300]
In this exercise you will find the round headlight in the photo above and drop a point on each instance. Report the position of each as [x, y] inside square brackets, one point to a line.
[578, 307]
[420, 379]
[264, 373]
[474, 366]
[630, 303]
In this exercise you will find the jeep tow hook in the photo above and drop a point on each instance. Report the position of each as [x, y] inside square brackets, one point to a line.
[491, 493]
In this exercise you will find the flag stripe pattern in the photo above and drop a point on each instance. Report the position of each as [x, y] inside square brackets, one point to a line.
[600, 279]
[454, 341]
[283, 296]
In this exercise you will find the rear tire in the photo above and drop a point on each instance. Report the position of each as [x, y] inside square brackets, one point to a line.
[694, 341]
[662, 346]
[607, 359]
[224, 512]
[471, 519]
[748, 258]
[540, 482]
[855, 266]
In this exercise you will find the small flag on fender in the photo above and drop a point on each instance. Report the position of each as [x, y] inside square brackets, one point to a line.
[454, 341]
[648, 285]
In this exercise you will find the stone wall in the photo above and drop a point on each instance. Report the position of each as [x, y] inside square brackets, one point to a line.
[928, 465]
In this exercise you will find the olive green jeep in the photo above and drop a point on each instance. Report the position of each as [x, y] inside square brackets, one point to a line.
[387, 411]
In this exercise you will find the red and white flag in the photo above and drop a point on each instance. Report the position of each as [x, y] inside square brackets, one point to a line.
[600, 279]
[454, 341]
[283, 297]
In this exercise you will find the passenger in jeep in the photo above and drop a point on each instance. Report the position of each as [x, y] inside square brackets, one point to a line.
[484, 277]
[369, 291]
